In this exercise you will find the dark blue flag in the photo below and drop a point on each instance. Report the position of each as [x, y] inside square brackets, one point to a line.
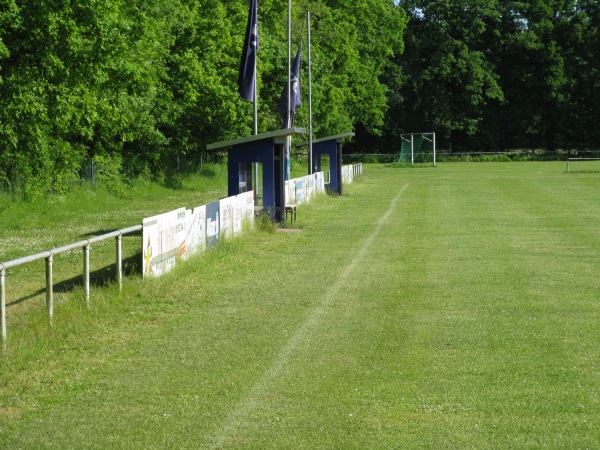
[247, 77]
[294, 94]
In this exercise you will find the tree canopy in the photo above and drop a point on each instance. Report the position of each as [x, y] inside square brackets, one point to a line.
[498, 74]
[136, 84]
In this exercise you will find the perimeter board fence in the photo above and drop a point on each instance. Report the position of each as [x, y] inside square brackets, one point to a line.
[169, 237]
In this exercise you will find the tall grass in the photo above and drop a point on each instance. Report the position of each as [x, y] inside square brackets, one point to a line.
[447, 307]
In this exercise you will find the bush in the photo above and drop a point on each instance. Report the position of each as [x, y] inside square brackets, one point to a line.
[108, 172]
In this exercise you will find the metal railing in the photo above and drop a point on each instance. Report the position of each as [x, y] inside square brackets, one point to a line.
[49, 257]
[579, 159]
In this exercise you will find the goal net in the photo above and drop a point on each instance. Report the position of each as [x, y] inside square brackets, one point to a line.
[417, 148]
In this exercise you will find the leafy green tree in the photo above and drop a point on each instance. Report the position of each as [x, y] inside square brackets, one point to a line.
[582, 46]
[447, 77]
[351, 42]
[355, 41]
[136, 86]
[532, 69]
[497, 75]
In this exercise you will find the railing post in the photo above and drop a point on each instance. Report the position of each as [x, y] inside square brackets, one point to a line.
[3, 306]
[49, 289]
[119, 265]
[86, 273]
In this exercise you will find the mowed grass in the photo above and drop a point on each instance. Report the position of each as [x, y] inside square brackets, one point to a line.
[455, 306]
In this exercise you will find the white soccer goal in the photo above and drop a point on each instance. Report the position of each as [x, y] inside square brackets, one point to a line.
[417, 148]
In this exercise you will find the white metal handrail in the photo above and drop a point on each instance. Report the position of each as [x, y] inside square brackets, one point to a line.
[48, 255]
[580, 159]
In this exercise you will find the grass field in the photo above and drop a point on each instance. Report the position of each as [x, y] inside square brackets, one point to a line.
[445, 307]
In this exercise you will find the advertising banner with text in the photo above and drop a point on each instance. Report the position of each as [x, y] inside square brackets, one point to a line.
[170, 237]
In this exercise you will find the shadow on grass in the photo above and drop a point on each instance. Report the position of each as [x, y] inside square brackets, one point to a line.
[98, 278]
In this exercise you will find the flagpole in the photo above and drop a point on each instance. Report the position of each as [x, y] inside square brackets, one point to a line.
[255, 96]
[288, 141]
[310, 134]
[256, 116]
[289, 84]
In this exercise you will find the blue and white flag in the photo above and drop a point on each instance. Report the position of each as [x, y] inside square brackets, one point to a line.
[294, 94]
[247, 77]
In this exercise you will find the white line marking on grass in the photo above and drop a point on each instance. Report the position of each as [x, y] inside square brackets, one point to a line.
[250, 401]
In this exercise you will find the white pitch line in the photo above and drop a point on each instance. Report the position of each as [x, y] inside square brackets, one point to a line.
[250, 401]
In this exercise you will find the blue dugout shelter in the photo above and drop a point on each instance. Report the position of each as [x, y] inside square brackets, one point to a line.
[267, 149]
[332, 147]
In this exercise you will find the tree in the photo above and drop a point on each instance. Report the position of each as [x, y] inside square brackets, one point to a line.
[497, 75]
[134, 85]
[446, 77]
[582, 43]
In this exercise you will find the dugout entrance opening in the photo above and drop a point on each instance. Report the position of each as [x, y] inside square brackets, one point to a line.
[250, 177]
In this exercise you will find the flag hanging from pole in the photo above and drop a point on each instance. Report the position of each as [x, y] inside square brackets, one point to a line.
[294, 94]
[247, 77]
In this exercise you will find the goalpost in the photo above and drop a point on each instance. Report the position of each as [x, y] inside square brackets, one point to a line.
[417, 147]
